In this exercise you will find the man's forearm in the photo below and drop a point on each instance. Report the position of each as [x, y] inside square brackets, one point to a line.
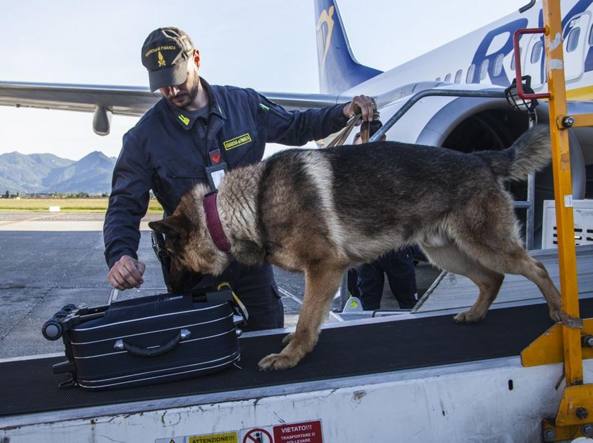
[314, 124]
[121, 235]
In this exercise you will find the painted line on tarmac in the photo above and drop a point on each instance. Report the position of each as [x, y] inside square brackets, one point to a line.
[28, 219]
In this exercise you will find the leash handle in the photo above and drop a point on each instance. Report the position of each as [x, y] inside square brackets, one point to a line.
[355, 120]
[365, 132]
[341, 137]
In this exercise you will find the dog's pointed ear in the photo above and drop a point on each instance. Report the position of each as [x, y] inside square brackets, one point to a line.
[172, 227]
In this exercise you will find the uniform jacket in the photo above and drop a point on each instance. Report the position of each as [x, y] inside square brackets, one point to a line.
[168, 149]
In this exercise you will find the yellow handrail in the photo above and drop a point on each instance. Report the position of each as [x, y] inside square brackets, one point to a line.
[573, 362]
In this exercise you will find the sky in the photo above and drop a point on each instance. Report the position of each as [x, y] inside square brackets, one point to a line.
[268, 45]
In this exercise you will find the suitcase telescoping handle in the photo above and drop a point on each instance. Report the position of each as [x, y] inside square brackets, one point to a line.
[121, 345]
[112, 296]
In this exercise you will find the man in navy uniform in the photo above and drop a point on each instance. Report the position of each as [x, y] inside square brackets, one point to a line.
[194, 129]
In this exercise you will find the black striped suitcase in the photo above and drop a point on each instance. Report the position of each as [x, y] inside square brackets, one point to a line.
[146, 340]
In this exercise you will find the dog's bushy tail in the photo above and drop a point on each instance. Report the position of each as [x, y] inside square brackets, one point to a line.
[530, 153]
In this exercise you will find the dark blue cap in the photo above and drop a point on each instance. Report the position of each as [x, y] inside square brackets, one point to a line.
[165, 54]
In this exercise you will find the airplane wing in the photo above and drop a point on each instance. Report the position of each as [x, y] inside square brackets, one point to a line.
[105, 100]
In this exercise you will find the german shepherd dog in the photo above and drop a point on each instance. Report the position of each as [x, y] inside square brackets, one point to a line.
[321, 211]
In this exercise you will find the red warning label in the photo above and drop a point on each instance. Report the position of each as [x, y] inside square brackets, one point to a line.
[257, 435]
[307, 432]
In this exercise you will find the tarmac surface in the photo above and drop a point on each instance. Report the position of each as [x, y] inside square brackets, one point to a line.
[48, 260]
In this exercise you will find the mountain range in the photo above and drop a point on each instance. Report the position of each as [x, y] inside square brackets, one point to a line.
[47, 173]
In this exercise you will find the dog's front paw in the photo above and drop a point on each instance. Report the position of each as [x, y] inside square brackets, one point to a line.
[468, 317]
[277, 361]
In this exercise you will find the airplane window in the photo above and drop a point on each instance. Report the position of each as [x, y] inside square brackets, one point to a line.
[498, 65]
[572, 40]
[458, 75]
[536, 51]
[438, 79]
[448, 77]
[470, 74]
[484, 69]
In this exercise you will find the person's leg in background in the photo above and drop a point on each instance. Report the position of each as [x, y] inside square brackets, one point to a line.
[370, 284]
[353, 282]
[401, 274]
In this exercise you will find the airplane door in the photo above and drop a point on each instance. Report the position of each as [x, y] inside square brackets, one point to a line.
[574, 36]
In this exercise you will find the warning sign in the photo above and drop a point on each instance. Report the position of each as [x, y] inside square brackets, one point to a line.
[225, 437]
[307, 432]
[258, 435]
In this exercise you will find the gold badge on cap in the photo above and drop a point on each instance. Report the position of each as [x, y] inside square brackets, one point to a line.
[161, 60]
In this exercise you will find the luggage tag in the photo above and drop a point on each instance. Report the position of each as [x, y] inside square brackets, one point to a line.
[215, 172]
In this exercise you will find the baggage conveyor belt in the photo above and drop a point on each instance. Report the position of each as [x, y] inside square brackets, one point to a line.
[29, 386]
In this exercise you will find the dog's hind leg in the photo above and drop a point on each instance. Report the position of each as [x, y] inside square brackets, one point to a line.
[321, 285]
[503, 253]
[450, 258]
[518, 261]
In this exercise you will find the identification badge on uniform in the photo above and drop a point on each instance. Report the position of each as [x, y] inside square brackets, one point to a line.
[237, 141]
[215, 175]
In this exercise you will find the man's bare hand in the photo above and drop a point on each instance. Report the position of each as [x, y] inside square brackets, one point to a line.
[126, 273]
[361, 104]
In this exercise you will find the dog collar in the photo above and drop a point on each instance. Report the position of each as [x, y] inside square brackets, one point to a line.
[213, 223]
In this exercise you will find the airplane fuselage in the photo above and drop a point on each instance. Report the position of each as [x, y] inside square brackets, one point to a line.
[485, 56]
